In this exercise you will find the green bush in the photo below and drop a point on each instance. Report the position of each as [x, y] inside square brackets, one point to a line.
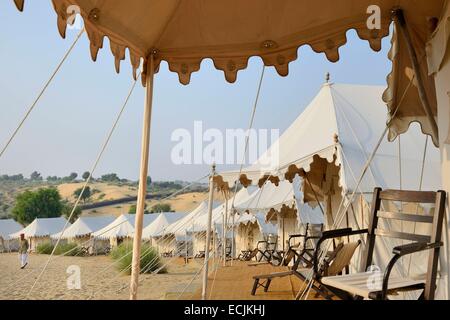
[45, 248]
[69, 249]
[63, 248]
[150, 260]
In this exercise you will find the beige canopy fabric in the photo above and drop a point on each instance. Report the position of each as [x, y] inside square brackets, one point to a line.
[184, 32]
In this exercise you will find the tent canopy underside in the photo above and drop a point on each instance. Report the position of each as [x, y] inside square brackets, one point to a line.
[183, 33]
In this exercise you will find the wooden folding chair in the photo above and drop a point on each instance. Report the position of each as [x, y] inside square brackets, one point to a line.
[334, 263]
[253, 254]
[362, 285]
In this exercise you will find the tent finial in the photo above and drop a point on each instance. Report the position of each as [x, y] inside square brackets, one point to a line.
[327, 77]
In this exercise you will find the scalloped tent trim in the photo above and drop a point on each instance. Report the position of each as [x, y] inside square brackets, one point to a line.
[205, 38]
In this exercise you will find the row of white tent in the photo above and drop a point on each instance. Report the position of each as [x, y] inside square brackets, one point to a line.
[168, 231]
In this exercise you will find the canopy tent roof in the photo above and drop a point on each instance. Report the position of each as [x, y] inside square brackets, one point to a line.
[180, 227]
[42, 227]
[264, 227]
[122, 227]
[183, 33]
[161, 223]
[8, 227]
[200, 224]
[85, 226]
[343, 124]
[246, 218]
[271, 200]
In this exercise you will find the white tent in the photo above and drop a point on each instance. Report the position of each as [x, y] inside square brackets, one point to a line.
[252, 228]
[160, 224]
[344, 122]
[329, 144]
[180, 227]
[40, 230]
[84, 227]
[6, 228]
[200, 224]
[42, 227]
[271, 199]
[176, 238]
[122, 227]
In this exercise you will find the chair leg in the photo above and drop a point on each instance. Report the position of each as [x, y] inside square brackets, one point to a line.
[255, 286]
[264, 284]
[266, 287]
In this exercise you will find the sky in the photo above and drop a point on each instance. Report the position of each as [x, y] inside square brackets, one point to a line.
[70, 123]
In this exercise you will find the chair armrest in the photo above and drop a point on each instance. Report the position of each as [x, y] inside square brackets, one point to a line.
[415, 247]
[326, 235]
[297, 236]
[342, 233]
[401, 251]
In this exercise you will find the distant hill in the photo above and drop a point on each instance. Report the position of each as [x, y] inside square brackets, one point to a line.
[11, 186]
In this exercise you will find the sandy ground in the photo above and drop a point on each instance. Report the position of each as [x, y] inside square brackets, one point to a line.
[97, 281]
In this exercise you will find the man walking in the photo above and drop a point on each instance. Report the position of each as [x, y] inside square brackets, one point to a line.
[23, 251]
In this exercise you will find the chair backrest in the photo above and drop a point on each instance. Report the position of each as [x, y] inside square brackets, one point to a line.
[436, 220]
[342, 257]
[253, 254]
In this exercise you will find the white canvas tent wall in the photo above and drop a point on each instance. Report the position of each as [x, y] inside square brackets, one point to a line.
[84, 227]
[81, 230]
[254, 228]
[159, 225]
[121, 228]
[439, 69]
[7, 227]
[40, 230]
[283, 206]
[175, 238]
[199, 226]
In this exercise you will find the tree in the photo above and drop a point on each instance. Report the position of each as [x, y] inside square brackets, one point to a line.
[86, 175]
[85, 195]
[133, 209]
[67, 211]
[43, 203]
[149, 180]
[161, 207]
[111, 177]
[35, 176]
[73, 176]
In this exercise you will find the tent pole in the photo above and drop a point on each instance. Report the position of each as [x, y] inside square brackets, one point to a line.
[399, 17]
[224, 231]
[233, 247]
[142, 193]
[208, 232]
